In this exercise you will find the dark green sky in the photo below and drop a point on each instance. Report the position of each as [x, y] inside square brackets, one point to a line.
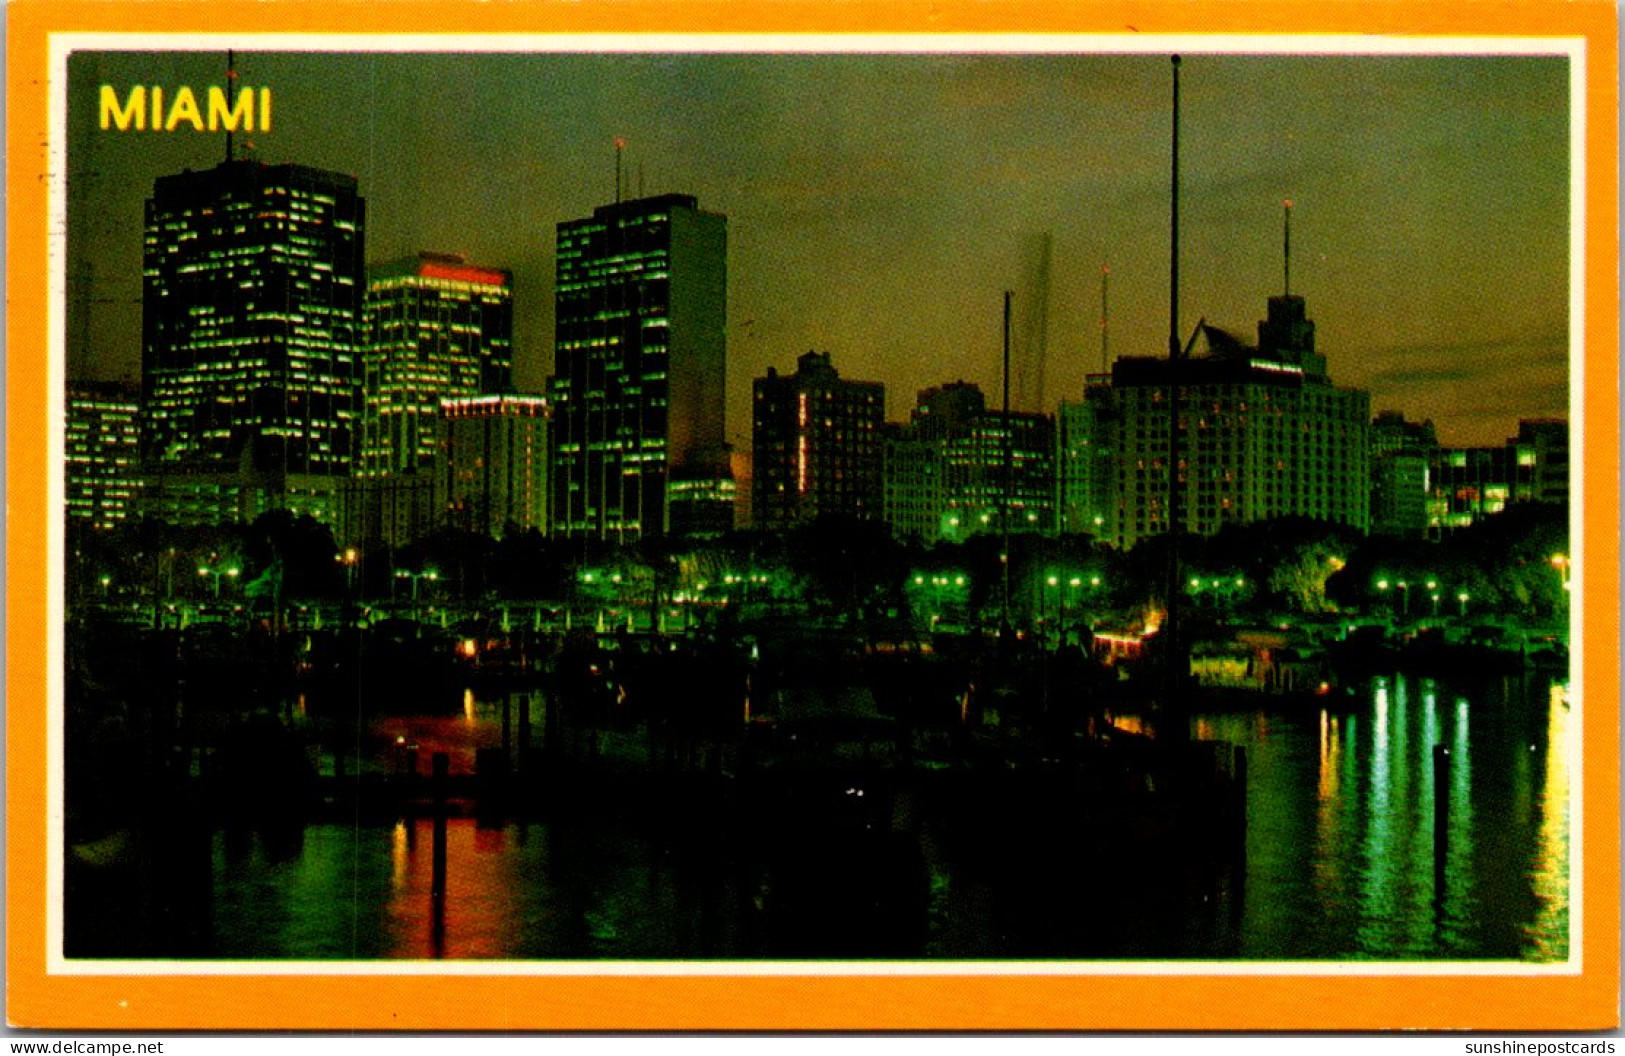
[879, 205]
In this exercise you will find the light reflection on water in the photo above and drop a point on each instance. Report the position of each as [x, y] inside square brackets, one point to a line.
[1355, 875]
[1547, 935]
[519, 891]
[1340, 852]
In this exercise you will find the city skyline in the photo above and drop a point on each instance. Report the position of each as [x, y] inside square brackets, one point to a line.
[888, 243]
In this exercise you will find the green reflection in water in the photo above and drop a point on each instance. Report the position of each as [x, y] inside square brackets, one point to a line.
[1547, 937]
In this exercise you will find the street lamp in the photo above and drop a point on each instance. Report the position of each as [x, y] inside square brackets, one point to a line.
[348, 559]
[429, 574]
[1562, 564]
[204, 572]
[1463, 598]
[1067, 599]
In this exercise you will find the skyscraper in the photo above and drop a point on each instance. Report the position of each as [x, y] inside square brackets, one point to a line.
[816, 445]
[1083, 458]
[640, 362]
[251, 315]
[437, 328]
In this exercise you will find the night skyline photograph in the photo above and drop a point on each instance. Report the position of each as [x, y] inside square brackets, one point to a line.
[1042, 505]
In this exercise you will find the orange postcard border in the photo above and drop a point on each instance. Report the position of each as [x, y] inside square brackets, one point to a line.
[1589, 1000]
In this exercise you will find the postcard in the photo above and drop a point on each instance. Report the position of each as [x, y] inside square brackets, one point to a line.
[812, 516]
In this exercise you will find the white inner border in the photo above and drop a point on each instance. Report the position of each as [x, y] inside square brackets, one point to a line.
[63, 44]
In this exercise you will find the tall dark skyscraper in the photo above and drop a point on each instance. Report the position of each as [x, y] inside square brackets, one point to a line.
[251, 317]
[640, 363]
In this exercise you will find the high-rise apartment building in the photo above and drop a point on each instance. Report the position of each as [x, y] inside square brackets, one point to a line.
[102, 451]
[816, 445]
[251, 319]
[437, 328]
[1263, 433]
[640, 364]
[493, 474]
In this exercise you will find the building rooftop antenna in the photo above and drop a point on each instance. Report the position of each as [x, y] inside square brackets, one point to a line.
[1105, 319]
[231, 99]
[620, 147]
[1286, 245]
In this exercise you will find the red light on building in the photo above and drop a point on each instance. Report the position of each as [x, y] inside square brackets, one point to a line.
[434, 269]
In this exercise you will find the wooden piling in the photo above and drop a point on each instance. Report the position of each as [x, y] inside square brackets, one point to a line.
[442, 767]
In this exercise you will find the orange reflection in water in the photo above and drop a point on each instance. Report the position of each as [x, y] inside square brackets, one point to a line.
[477, 916]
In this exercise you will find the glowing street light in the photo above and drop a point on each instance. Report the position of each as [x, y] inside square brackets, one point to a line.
[1463, 598]
[1562, 564]
[348, 558]
[230, 572]
[417, 577]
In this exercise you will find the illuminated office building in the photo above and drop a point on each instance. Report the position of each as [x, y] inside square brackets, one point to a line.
[102, 451]
[437, 328]
[1083, 459]
[493, 474]
[640, 362]
[958, 469]
[251, 320]
[816, 440]
[1000, 465]
[1543, 443]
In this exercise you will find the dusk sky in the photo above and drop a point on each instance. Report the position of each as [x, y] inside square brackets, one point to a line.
[879, 205]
